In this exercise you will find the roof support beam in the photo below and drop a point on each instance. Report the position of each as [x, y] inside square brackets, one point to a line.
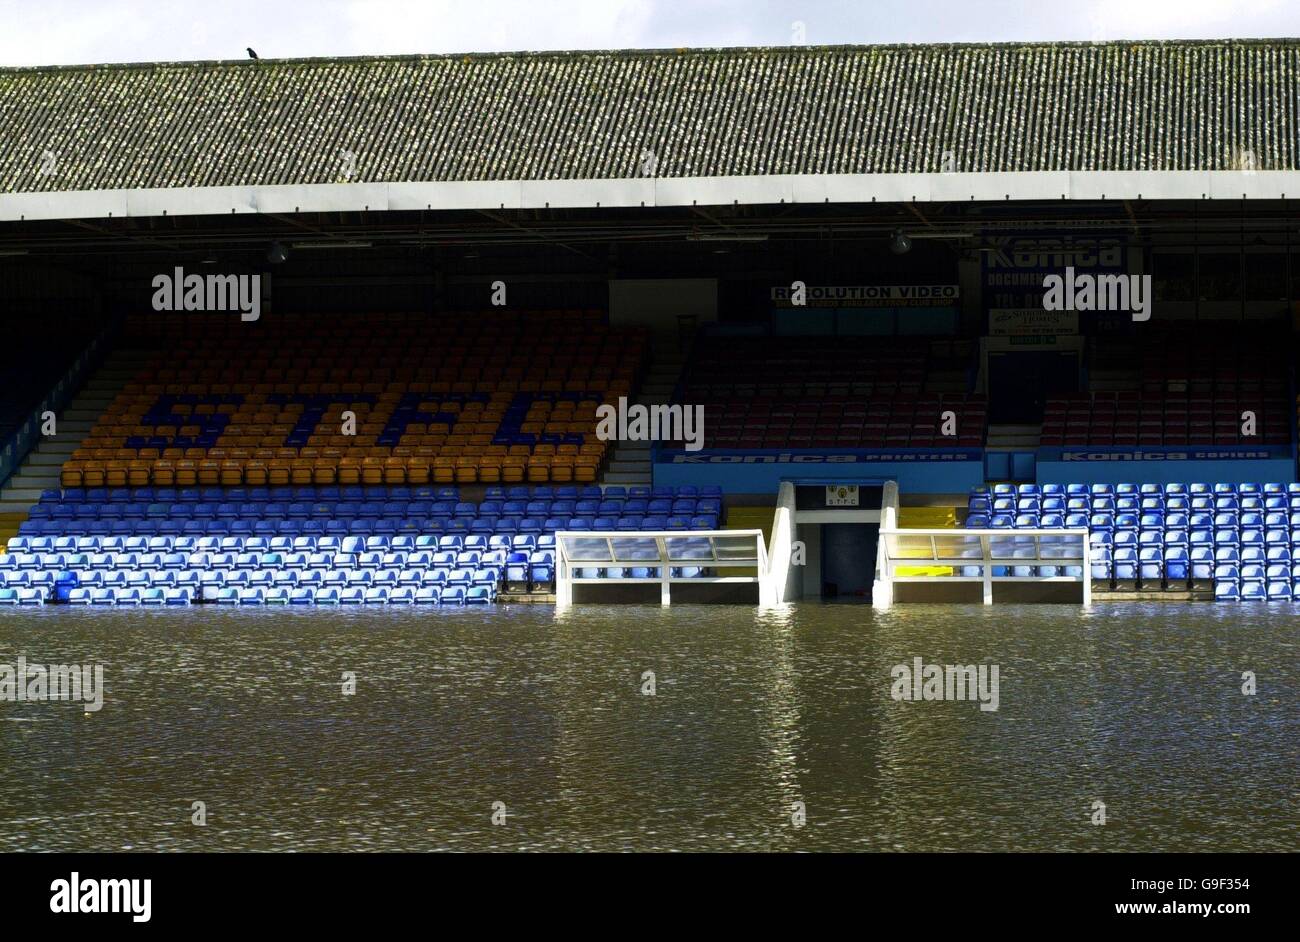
[489, 196]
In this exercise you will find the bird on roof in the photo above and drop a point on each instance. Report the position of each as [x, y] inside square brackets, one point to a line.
[251, 53]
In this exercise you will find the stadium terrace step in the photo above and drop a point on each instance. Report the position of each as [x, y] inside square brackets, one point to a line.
[55, 447]
[28, 483]
[13, 498]
[634, 450]
[625, 477]
[630, 462]
[40, 470]
[1013, 437]
[87, 411]
[78, 427]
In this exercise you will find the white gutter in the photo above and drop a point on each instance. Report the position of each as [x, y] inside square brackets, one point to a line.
[665, 191]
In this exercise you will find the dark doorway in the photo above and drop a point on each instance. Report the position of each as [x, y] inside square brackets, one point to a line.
[1021, 383]
[848, 561]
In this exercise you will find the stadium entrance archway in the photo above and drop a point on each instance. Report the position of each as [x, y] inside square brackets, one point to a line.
[837, 526]
[848, 553]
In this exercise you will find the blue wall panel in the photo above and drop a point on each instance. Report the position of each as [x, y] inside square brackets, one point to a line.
[1166, 472]
[917, 471]
[1185, 464]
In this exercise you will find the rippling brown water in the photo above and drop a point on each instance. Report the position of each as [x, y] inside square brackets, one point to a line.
[1137, 706]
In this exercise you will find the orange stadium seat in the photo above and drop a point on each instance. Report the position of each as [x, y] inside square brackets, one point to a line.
[513, 397]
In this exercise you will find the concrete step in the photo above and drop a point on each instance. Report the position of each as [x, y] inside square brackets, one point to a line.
[1034, 432]
[27, 480]
[625, 478]
[1013, 437]
[627, 451]
[641, 467]
[24, 495]
[41, 467]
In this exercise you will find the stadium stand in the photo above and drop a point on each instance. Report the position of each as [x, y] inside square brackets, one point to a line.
[495, 398]
[223, 472]
[309, 544]
[824, 392]
[1242, 541]
[1191, 387]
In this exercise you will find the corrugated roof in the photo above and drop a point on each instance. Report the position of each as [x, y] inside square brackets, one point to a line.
[700, 112]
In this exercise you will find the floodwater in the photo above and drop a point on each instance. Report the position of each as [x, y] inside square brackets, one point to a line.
[754, 717]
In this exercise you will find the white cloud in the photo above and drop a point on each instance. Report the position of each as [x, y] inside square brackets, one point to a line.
[1190, 19]
[494, 25]
[60, 32]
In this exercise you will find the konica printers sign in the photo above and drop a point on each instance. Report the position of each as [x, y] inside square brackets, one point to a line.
[849, 456]
[762, 470]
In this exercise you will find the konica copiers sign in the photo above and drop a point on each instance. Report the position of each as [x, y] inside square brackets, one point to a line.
[1163, 465]
[1195, 454]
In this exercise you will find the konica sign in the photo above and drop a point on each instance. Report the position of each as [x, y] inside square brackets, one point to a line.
[760, 471]
[802, 457]
[1238, 453]
[1230, 464]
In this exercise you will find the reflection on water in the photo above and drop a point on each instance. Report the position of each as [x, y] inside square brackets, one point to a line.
[1139, 706]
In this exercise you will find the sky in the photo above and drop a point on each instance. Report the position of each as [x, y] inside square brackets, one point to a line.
[67, 32]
